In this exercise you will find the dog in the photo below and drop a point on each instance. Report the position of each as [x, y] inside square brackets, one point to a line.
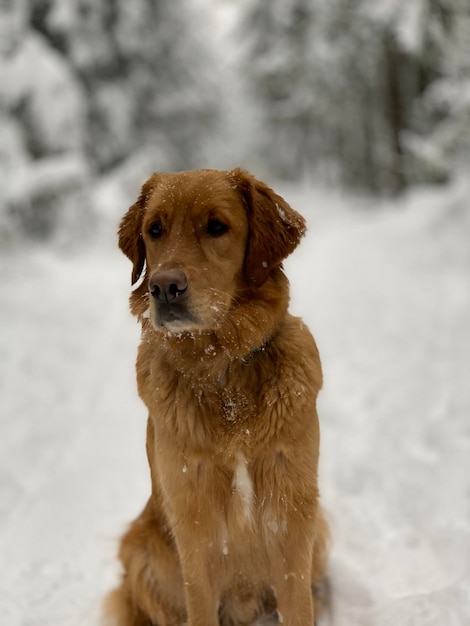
[233, 529]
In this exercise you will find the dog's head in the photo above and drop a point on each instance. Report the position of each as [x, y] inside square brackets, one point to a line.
[199, 240]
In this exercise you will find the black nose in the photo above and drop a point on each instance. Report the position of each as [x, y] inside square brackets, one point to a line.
[168, 285]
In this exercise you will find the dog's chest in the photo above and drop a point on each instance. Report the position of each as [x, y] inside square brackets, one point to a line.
[235, 405]
[218, 454]
[208, 413]
[231, 492]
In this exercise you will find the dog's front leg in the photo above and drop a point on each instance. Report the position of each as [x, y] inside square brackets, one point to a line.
[202, 607]
[292, 570]
[202, 600]
[294, 601]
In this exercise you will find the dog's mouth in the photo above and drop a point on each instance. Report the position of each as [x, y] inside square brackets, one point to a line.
[170, 302]
[174, 315]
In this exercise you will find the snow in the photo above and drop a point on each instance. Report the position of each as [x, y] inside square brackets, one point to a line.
[386, 293]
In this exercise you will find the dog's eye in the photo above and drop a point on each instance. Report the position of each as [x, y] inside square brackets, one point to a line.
[215, 228]
[155, 230]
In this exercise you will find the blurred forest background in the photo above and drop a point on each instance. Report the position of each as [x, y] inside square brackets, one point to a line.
[372, 95]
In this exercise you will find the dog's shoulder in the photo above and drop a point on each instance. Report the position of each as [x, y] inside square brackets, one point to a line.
[295, 353]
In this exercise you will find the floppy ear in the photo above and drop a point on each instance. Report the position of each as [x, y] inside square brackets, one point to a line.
[275, 229]
[130, 230]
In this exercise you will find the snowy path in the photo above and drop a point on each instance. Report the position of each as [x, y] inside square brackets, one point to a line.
[387, 295]
[392, 315]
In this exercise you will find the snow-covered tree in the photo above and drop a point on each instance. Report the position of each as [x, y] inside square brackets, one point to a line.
[440, 137]
[42, 127]
[148, 73]
[312, 68]
[85, 85]
[278, 36]
[345, 86]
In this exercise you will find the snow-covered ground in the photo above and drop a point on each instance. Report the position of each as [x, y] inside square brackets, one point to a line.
[387, 295]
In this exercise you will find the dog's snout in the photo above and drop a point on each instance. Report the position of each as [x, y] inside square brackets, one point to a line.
[168, 285]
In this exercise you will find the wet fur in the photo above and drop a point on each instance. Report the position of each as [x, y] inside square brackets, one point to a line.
[233, 528]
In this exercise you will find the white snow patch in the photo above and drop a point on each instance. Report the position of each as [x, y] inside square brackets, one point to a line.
[273, 526]
[224, 547]
[281, 213]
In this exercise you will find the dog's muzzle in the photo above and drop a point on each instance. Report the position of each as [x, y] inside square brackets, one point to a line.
[169, 290]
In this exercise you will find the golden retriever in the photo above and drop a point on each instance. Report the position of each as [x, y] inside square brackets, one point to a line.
[233, 529]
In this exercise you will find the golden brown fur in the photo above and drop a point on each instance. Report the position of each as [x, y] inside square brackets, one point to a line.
[233, 527]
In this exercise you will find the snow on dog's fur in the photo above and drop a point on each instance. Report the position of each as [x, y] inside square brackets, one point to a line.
[233, 528]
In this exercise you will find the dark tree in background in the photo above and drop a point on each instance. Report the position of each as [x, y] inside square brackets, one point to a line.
[440, 140]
